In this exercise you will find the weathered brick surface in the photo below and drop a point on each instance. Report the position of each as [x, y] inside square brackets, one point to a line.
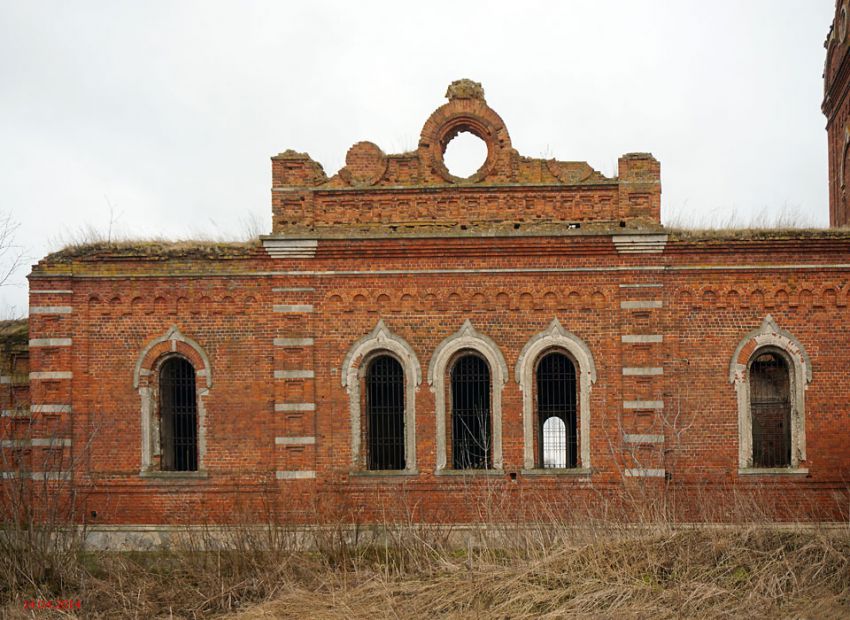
[836, 107]
[399, 241]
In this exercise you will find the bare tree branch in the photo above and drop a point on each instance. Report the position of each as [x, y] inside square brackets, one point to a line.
[11, 255]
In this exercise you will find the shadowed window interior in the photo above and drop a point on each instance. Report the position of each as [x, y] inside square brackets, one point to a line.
[178, 416]
[770, 406]
[556, 412]
[385, 414]
[471, 439]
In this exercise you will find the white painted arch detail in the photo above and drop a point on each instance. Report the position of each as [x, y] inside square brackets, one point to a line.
[555, 337]
[381, 340]
[149, 389]
[174, 335]
[467, 338]
[770, 337]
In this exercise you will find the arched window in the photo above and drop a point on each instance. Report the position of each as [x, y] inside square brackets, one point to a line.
[471, 436]
[385, 414]
[381, 373]
[770, 407]
[178, 413]
[467, 373]
[556, 412]
[555, 371]
[770, 370]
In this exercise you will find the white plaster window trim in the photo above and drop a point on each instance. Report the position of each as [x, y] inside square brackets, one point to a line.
[467, 339]
[149, 392]
[770, 337]
[555, 337]
[381, 341]
[773, 471]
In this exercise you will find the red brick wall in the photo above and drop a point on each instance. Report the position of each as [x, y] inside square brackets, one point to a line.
[398, 239]
[713, 294]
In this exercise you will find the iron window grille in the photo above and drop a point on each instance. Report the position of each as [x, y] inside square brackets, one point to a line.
[557, 438]
[178, 416]
[471, 434]
[385, 414]
[770, 407]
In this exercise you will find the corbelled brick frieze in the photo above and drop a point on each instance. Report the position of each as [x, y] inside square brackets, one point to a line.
[416, 191]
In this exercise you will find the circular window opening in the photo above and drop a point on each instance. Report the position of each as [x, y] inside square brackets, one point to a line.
[465, 154]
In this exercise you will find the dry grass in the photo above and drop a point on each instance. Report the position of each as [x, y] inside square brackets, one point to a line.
[590, 570]
[699, 573]
[188, 248]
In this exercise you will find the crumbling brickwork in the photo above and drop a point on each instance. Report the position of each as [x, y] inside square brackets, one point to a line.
[395, 256]
[836, 107]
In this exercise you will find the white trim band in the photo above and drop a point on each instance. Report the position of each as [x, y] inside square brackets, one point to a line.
[641, 305]
[52, 374]
[293, 342]
[50, 342]
[628, 438]
[293, 308]
[645, 473]
[45, 442]
[37, 475]
[295, 407]
[303, 474]
[294, 441]
[50, 475]
[50, 408]
[51, 292]
[294, 374]
[50, 310]
[642, 371]
[643, 404]
[639, 244]
[641, 338]
[773, 471]
[291, 248]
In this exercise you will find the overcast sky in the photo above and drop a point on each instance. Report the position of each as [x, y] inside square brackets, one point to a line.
[169, 111]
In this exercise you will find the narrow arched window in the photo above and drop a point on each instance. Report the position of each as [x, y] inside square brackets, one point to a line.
[471, 436]
[178, 416]
[770, 407]
[557, 440]
[385, 414]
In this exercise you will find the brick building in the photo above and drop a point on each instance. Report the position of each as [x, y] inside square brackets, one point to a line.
[407, 344]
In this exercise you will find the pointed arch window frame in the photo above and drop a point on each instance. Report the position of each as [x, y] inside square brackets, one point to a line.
[556, 338]
[467, 339]
[153, 355]
[770, 337]
[381, 340]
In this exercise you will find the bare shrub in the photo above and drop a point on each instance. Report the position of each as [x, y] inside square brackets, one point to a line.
[560, 564]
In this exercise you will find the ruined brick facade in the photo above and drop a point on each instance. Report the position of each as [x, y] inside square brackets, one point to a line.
[836, 107]
[395, 256]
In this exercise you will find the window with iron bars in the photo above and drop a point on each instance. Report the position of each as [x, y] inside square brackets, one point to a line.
[471, 433]
[178, 416]
[770, 407]
[557, 441]
[385, 414]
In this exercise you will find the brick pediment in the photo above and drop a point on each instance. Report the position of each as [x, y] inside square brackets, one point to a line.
[375, 189]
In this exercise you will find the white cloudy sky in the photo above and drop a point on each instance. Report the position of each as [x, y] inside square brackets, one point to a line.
[169, 111]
